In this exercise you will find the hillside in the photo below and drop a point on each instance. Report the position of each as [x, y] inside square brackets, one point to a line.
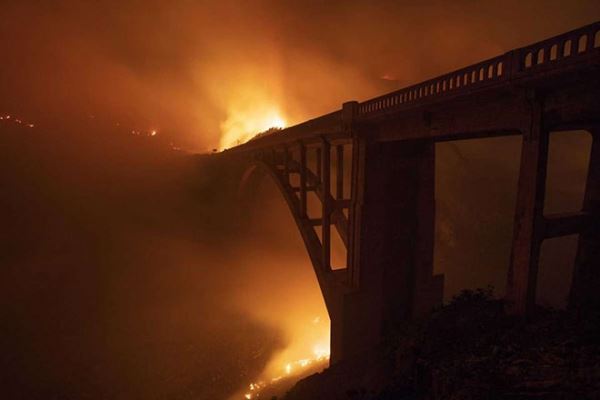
[470, 349]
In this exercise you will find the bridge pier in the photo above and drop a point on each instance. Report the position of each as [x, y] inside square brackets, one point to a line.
[586, 275]
[532, 226]
[528, 225]
[391, 244]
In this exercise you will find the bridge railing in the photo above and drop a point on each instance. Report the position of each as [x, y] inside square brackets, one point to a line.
[463, 80]
[547, 54]
[556, 51]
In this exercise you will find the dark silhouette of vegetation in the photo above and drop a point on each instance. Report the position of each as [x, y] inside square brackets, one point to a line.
[471, 349]
[269, 131]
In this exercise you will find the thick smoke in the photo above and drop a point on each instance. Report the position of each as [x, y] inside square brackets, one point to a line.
[117, 277]
[186, 68]
[125, 272]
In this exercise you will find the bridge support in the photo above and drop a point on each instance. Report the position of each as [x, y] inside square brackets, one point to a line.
[586, 276]
[532, 226]
[391, 245]
[528, 225]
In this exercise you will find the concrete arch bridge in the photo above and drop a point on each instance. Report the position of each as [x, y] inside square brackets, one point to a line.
[371, 167]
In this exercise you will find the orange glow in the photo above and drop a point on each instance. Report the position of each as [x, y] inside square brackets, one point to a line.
[289, 362]
[242, 123]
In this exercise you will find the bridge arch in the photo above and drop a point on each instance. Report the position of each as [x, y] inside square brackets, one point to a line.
[329, 281]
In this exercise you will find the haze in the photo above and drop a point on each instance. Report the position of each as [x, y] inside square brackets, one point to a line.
[128, 270]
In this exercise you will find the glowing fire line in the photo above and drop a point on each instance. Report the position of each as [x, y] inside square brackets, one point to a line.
[242, 125]
[296, 367]
[288, 369]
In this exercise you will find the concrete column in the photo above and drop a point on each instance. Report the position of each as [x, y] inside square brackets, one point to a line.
[527, 237]
[429, 288]
[391, 244]
[585, 289]
[303, 168]
[326, 207]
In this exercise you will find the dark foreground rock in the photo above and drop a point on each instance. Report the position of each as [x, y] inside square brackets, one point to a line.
[470, 349]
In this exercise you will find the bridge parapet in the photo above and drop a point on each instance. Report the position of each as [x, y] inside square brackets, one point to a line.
[464, 80]
[554, 53]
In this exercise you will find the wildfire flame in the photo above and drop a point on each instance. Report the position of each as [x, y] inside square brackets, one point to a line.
[242, 124]
[289, 369]
[16, 120]
[280, 369]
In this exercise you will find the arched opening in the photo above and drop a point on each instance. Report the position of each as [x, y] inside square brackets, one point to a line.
[567, 48]
[540, 56]
[568, 160]
[500, 68]
[553, 52]
[555, 273]
[582, 44]
[475, 194]
[528, 60]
